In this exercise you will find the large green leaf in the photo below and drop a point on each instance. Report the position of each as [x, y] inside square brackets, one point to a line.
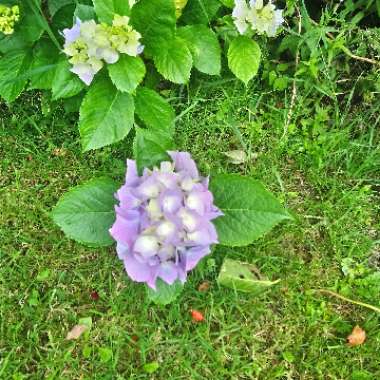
[244, 277]
[200, 11]
[150, 147]
[13, 66]
[84, 12]
[44, 64]
[65, 83]
[164, 294]
[86, 212]
[56, 5]
[249, 209]
[156, 21]
[105, 9]
[204, 47]
[127, 73]
[244, 57]
[106, 115]
[174, 61]
[154, 110]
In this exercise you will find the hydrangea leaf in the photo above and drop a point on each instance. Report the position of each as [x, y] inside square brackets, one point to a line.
[204, 47]
[154, 110]
[106, 115]
[55, 5]
[243, 277]
[174, 61]
[84, 12]
[165, 294]
[156, 21]
[105, 9]
[150, 147]
[127, 73]
[12, 66]
[86, 212]
[44, 64]
[249, 209]
[65, 83]
[244, 57]
[200, 11]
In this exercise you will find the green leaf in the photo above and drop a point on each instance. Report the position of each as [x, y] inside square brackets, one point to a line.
[174, 61]
[30, 27]
[56, 5]
[105, 9]
[200, 11]
[228, 3]
[106, 115]
[154, 110]
[12, 66]
[105, 354]
[65, 83]
[244, 57]
[127, 73]
[204, 47]
[165, 294]
[150, 147]
[249, 209]
[84, 12]
[44, 64]
[156, 21]
[243, 277]
[86, 212]
[151, 367]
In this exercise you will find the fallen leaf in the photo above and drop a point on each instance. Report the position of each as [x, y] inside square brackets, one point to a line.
[204, 286]
[197, 316]
[357, 337]
[76, 332]
[236, 157]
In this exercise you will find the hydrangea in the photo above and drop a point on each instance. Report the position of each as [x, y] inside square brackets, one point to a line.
[8, 17]
[163, 220]
[89, 45]
[265, 19]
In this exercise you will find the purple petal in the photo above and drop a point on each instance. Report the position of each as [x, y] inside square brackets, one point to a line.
[132, 176]
[184, 162]
[137, 271]
[125, 228]
[194, 255]
[168, 272]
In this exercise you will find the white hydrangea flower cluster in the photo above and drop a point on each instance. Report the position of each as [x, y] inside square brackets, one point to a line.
[265, 19]
[89, 45]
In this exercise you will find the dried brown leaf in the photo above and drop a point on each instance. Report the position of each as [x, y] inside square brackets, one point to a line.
[76, 332]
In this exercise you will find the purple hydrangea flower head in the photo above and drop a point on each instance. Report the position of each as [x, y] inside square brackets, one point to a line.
[163, 222]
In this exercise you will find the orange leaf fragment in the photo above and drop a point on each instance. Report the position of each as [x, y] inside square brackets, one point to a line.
[204, 286]
[76, 332]
[357, 337]
[197, 316]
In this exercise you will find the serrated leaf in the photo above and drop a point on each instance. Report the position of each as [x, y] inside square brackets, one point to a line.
[174, 61]
[150, 147]
[243, 277]
[106, 115]
[127, 73]
[84, 12]
[44, 64]
[156, 21]
[105, 9]
[65, 83]
[12, 66]
[86, 212]
[200, 11]
[244, 57]
[154, 110]
[249, 209]
[56, 5]
[165, 294]
[204, 47]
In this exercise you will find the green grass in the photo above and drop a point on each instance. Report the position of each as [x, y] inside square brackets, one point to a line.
[325, 169]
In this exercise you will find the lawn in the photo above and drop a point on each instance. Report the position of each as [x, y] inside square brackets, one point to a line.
[325, 169]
